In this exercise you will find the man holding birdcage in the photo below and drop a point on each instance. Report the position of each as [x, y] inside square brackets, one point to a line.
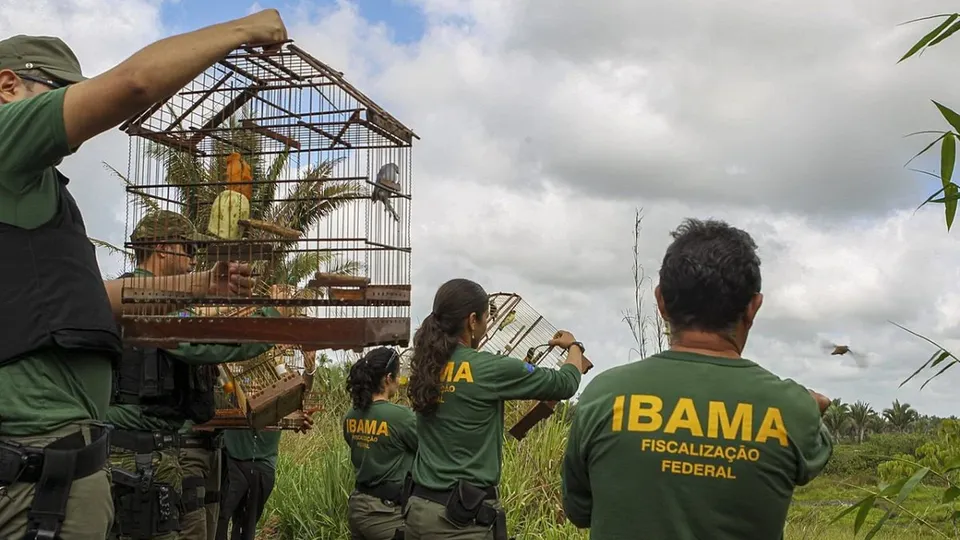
[157, 391]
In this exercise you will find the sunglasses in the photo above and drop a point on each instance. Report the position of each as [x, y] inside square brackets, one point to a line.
[52, 84]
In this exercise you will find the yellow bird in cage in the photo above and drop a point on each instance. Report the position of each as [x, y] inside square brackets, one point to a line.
[508, 320]
[232, 205]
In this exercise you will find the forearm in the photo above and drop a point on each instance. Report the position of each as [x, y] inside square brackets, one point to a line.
[195, 285]
[546, 384]
[163, 67]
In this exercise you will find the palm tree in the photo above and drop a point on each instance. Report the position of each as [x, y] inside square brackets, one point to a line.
[837, 418]
[862, 417]
[901, 416]
[301, 209]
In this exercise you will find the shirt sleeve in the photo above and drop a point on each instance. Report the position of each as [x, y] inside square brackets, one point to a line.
[34, 136]
[810, 438]
[515, 379]
[576, 495]
[408, 431]
[814, 455]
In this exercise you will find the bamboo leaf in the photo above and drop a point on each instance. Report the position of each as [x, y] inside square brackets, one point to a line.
[928, 38]
[928, 147]
[865, 506]
[950, 116]
[950, 196]
[948, 157]
[947, 33]
[904, 492]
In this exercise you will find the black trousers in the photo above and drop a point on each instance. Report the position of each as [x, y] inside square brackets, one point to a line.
[244, 493]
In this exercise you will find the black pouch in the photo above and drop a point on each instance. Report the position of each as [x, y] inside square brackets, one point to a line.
[464, 503]
[406, 490]
[12, 459]
[399, 534]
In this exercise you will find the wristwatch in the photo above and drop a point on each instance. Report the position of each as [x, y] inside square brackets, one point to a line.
[579, 344]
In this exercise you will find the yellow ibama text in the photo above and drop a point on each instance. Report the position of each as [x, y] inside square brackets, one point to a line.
[646, 413]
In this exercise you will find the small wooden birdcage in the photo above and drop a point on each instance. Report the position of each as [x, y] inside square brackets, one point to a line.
[278, 162]
[518, 330]
[259, 392]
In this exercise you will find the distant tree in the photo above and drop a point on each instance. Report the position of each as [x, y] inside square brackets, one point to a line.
[901, 416]
[837, 419]
[863, 420]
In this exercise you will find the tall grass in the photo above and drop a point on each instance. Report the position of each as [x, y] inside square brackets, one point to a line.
[314, 479]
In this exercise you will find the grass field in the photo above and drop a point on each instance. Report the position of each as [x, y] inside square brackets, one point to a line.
[314, 478]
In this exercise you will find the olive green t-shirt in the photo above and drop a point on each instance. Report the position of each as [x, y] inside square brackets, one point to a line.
[686, 446]
[43, 390]
[250, 444]
[463, 439]
[383, 442]
[134, 417]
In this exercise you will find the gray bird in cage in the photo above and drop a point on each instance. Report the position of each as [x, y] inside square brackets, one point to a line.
[389, 177]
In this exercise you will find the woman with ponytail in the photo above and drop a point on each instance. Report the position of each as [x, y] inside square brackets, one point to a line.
[383, 440]
[457, 393]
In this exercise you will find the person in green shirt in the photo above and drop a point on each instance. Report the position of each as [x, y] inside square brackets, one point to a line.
[57, 312]
[149, 418]
[251, 463]
[458, 394]
[697, 441]
[382, 437]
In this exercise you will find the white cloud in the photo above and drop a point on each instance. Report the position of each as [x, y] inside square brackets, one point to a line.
[542, 129]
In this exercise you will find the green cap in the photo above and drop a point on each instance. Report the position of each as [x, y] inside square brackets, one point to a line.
[49, 55]
[167, 225]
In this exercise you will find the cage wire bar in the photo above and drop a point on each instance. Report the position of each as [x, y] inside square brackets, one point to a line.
[518, 330]
[278, 162]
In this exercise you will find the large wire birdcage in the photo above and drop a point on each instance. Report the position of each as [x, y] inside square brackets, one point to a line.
[275, 160]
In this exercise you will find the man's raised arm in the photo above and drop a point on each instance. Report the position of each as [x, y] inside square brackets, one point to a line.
[157, 71]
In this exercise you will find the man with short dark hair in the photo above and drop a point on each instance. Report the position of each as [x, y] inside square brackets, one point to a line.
[697, 441]
[58, 315]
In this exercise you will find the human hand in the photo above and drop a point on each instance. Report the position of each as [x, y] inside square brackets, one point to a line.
[264, 28]
[230, 279]
[306, 422]
[822, 401]
[562, 339]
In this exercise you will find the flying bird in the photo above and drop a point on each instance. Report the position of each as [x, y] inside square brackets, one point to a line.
[841, 350]
[388, 177]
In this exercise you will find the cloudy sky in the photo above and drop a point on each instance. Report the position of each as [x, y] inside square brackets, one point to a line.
[543, 128]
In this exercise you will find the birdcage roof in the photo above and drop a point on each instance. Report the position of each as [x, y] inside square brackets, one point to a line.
[291, 98]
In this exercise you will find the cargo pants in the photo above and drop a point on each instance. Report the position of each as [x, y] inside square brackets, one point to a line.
[89, 512]
[201, 465]
[160, 504]
[425, 520]
[370, 518]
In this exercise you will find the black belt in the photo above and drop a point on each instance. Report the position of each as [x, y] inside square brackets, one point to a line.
[144, 442]
[201, 442]
[21, 463]
[441, 497]
[386, 492]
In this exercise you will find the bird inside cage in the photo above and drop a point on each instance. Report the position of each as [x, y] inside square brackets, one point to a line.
[387, 177]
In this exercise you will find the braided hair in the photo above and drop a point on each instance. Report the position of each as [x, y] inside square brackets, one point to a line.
[367, 375]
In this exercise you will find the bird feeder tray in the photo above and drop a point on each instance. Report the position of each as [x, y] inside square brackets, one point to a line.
[268, 406]
[337, 280]
[341, 294]
[310, 333]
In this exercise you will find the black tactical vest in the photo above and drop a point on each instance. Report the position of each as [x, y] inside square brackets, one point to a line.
[51, 291]
[164, 386]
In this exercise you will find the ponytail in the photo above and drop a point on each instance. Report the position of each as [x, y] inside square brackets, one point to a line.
[437, 339]
[367, 375]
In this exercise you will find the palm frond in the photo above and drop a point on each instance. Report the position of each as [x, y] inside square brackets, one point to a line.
[111, 248]
[143, 200]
